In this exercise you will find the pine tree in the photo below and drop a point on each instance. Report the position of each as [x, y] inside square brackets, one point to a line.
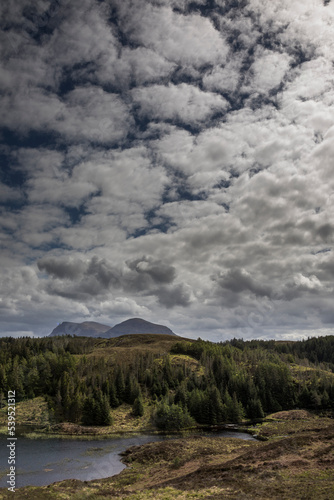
[254, 409]
[233, 409]
[89, 411]
[75, 408]
[103, 416]
[215, 406]
[172, 417]
[120, 384]
[138, 407]
[181, 395]
[197, 406]
[113, 399]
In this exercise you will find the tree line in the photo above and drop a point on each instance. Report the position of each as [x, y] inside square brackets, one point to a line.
[229, 381]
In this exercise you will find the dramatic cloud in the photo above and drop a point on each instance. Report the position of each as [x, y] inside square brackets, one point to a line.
[97, 277]
[169, 160]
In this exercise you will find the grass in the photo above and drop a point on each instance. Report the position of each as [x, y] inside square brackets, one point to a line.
[285, 423]
[34, 420]
[296, 461]
[125, 349]
[33, 413]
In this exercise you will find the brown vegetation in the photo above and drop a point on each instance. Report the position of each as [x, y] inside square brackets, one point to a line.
[297, 466]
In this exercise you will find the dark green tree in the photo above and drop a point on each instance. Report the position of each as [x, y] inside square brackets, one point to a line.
[113, 399]
[138, 407]
[172, 417]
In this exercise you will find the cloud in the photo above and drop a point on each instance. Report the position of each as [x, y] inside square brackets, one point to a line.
[268, 71]
[137, 66]
[173, 35]
[9, 195]
[171, 297]
[62, 268]
[83, 280]
[157, 271]
[224, 79]
[181, 103]
[93, 114]
[239, 280]
[87, 113]
[168, 156]
[301, 285]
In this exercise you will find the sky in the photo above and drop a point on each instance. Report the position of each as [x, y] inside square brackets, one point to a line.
[169, 160]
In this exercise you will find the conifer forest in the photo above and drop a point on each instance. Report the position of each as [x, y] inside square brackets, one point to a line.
[190, 383]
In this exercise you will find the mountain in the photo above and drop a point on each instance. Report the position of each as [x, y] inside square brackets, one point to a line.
[135, 326]
[93, 329]
[85, 329]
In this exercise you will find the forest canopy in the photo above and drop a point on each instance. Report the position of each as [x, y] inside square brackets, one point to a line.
[194, 382]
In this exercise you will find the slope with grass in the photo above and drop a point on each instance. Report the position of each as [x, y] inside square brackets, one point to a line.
[152, 381]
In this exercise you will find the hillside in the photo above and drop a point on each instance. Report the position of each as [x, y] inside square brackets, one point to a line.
[178, 382]
[283, 392]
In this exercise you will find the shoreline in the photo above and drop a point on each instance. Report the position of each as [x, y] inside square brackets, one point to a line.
[294, 457]
[67, 430]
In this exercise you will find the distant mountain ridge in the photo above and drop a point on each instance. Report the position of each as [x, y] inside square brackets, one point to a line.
[85, 329]
[131, 326]
[136, 326]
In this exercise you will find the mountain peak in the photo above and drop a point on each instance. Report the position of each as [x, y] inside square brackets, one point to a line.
[130, 326]
[85, 329]
[134, 326]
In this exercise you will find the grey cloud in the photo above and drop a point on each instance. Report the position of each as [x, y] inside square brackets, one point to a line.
[328, 315]
[106, 274]
[8, 194]
[158, 271]
[300, 286]
[326, 232]
[79, 280]
[239, 281]
[34, 109]
[180, 143]
[92, 276]
[84, 291]
[224, 79]
[326, 266]
[171, 297]
[67, 268]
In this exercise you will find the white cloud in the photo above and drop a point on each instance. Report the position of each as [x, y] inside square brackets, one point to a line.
[173, 35]
[137, 66]
[269, 70]
[224, 79]
[183, 102]
[95, 115]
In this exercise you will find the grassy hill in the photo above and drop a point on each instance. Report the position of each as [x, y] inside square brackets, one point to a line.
[163, 382]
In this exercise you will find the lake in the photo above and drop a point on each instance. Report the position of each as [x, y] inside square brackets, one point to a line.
[40, 462]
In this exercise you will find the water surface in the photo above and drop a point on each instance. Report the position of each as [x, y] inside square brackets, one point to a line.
[40, 462]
